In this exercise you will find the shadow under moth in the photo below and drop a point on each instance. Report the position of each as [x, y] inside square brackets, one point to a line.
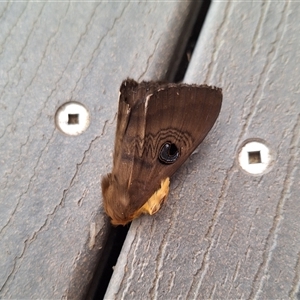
[158, 126]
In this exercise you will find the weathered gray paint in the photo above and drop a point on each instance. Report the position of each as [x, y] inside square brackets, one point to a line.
[224, 234]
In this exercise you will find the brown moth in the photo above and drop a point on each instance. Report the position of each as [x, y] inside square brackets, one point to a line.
[159, 125]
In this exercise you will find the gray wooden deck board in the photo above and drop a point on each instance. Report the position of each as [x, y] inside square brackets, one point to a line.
[50, 203]
[225, 234]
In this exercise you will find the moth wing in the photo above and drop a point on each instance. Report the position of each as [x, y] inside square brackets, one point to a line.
[130, 127]
[179, 114]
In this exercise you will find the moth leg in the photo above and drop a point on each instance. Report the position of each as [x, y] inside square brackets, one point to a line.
[155, 202]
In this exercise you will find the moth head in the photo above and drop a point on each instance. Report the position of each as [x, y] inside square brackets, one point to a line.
[116, 200]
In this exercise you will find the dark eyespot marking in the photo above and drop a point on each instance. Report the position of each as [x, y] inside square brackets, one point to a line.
[168, 153]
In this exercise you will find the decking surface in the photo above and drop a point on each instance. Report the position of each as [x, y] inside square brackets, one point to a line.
[223, 233]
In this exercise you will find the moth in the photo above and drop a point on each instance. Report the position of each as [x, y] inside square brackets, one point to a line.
[158, 126]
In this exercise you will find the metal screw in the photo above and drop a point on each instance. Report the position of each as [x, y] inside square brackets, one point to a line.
[255, 157]
[72, 118]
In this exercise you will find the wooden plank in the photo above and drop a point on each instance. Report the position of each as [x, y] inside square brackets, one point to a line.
[52, 226]
[223, 233]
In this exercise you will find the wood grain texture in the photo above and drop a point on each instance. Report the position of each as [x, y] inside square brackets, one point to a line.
[52, 226]
[225, 234]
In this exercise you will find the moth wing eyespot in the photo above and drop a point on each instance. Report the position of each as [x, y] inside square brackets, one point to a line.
[168, 153]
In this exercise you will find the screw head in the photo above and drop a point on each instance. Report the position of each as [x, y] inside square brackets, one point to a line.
[255, 157]
[72, 118]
